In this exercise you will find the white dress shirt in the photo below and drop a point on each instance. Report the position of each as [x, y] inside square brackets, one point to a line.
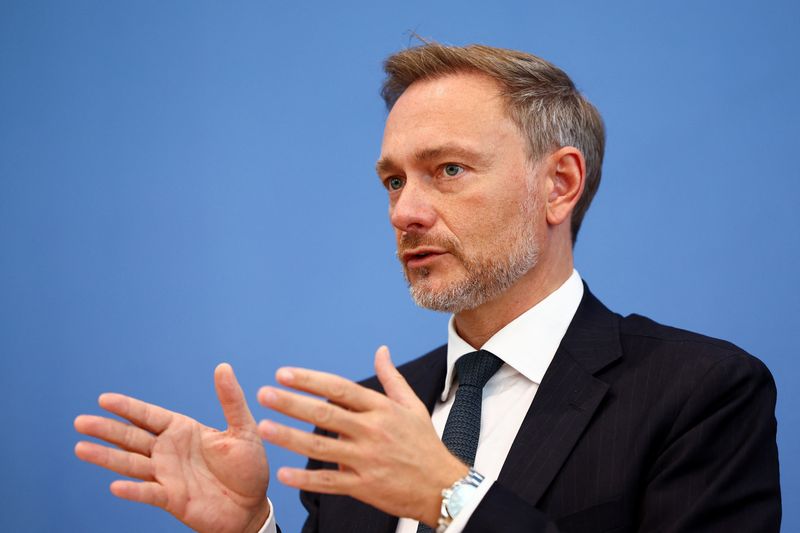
[527, 346]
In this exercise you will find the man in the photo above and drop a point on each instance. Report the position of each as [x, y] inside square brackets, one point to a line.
[584, 420]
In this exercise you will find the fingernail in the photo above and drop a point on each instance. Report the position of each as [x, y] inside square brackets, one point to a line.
[267, 428]
[268, 395]
[285, 475]
[285, 375]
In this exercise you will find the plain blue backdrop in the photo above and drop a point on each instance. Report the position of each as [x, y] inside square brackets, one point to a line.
[187, 182]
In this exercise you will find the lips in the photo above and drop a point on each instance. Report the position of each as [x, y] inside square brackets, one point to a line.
[423, 256]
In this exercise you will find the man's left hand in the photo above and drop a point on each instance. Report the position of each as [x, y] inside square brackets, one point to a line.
[388, 452]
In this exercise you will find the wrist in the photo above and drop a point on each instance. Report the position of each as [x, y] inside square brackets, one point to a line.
[455, 471]
[457, 497]
[262, 514]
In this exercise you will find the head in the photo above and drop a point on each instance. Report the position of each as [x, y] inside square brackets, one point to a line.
[471, 137]
[539, 98]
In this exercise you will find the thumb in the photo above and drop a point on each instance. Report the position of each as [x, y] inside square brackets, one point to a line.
[395, 385]
[231, 398]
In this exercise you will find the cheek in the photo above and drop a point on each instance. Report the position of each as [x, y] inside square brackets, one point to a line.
[493, 228]
[482, 228]
[484, 216]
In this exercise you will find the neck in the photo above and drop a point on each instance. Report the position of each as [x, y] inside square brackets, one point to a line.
[478, 325]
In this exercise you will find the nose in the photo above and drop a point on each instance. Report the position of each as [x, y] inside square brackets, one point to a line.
[412, 211]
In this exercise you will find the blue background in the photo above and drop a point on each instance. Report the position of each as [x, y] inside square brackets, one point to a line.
[188, 182]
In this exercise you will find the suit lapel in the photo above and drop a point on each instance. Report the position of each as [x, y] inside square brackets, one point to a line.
[566, 401]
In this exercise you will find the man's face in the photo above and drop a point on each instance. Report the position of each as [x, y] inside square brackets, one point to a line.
[462, 193]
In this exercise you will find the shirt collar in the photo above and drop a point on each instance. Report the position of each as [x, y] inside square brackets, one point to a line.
[529, 342]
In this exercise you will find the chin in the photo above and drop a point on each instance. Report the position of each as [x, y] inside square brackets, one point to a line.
[425, 279]
[448, 297]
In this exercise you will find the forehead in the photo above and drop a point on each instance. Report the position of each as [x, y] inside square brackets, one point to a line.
[464, 108]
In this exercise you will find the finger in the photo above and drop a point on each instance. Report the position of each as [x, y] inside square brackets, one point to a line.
[395, 385]
[151, 417]
[126, 463]
[148, 492]
[126, 436]
[309, 444]
[231, 398]
[325, 481]
[318, 412]
[337, 389]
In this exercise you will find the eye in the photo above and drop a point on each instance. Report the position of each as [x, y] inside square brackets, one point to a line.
[451, 170]
[395, 183]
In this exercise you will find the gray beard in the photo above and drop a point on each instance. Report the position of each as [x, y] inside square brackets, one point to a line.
[487, 277]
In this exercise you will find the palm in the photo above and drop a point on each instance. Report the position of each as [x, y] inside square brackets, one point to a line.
[213, 479]
[210, 480]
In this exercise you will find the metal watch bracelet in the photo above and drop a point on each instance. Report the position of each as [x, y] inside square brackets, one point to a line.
[456, 497]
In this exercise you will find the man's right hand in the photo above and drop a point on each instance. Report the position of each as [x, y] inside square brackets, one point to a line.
[208, 479]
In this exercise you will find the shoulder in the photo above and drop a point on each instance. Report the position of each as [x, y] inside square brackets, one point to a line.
[691, 359]
[641, 334]
[620, 345]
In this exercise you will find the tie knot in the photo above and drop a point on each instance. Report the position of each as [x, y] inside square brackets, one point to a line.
[475, 368]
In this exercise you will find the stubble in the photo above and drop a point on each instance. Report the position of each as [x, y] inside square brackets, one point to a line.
[488, 274]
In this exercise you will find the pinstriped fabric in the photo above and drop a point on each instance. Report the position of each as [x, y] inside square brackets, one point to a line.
[635, 427]
[463, 427]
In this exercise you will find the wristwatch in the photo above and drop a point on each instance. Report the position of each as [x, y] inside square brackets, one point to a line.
[455, 498]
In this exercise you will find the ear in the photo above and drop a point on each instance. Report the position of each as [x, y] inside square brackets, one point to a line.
[567, 175]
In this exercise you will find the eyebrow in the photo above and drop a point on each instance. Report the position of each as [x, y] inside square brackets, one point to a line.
[386, 164]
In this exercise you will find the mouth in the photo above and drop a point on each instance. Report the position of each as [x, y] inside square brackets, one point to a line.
[420, 257]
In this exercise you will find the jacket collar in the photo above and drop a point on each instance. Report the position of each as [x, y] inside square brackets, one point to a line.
[528, 343]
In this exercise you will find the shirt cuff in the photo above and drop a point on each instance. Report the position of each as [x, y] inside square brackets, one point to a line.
[460, 522]
[270, 525]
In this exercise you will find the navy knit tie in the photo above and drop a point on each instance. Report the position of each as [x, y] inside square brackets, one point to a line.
[463, 427]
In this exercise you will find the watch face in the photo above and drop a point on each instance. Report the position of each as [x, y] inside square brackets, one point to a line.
[461, 495]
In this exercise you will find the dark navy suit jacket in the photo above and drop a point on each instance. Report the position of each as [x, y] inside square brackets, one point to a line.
[635, 427]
